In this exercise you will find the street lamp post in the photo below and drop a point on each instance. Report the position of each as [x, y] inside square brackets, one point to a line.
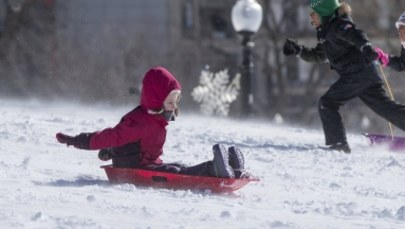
[247, 17]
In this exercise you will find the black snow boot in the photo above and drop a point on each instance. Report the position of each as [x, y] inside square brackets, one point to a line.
[221, 167]
[237, 162]
[341, 146]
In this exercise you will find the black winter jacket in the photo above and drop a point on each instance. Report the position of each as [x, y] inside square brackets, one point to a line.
[397, 62]
[339, 43]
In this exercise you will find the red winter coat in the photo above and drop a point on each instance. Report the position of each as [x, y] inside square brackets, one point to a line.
[138, 124]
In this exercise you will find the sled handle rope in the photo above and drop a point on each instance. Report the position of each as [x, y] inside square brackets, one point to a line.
[391, 96]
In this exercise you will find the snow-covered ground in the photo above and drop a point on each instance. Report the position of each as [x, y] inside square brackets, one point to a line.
[47, 185]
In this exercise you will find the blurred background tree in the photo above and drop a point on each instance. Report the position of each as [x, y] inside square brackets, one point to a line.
[97, 50]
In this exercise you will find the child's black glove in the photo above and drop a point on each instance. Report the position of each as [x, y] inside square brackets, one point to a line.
[81, 141]
[106, 154]
[369, 53]
[291, 47]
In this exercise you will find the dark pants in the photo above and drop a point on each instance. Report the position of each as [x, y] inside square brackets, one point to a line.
[203, 169]
[369, 88]
[128, 156]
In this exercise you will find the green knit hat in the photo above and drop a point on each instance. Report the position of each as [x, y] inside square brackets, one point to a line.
[324, 8]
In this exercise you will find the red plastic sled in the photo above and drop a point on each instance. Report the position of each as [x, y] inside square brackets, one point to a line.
[172, 180]
[395, 143]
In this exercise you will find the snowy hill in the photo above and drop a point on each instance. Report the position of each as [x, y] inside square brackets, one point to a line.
[47, 185]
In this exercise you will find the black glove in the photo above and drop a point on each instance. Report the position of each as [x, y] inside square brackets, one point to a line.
[130, 149]
[81, 141]
[106, 154]
[369, 53]
[291, 47]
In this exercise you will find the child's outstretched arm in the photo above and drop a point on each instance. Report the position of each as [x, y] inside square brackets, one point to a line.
[316, 54]
[81, 141]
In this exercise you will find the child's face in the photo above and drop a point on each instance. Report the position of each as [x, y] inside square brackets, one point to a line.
[170, 103]
[315, 19]
[401, 32]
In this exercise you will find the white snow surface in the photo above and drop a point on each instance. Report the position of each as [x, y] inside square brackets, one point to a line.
[47, 185]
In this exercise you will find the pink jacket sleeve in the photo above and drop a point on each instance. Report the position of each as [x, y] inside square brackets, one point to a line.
[127, 131]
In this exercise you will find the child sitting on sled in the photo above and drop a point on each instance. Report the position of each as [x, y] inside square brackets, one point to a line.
[137, 140]
[395, 62]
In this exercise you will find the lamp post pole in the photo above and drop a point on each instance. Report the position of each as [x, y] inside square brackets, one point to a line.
[247, 17]
[247, 72]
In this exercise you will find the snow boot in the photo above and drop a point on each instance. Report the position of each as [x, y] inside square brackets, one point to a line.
[221, 167]
[341, 146]
[237, 162]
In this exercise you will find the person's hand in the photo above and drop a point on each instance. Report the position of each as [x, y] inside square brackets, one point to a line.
[369, 53]
[81, 141]
[291, 47]
[383, 58]
[106, 154]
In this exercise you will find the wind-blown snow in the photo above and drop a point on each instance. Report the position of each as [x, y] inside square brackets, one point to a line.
[47, 185]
